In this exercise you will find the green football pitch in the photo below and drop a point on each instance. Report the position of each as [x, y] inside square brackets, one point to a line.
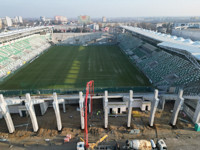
[71, 67]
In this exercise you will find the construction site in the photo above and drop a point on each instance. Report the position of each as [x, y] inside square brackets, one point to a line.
[97, 91]
[118, 116]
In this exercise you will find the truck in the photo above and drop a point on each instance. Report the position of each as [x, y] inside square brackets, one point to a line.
[80, 146]
[138, 145]
[161, 145]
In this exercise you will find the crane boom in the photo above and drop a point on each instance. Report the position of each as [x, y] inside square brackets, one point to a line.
[89, 90]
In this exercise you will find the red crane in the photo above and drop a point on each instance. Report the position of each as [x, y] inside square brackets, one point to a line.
[89, 91]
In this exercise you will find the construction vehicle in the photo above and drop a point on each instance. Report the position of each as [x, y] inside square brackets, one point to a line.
[153, 145]
[89, 91]
[84, 144]
[80, 145]
[138, 145]
[93, 145]
[161, 145]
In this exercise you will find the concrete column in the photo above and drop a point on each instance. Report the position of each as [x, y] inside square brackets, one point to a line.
[81, 107]
[64, 108]
[57, 111]
[162, 103]
[196, 116]
[6, 114]
[130, 108]
[30, 107]
[177, 106]
[106, 110]
[154, 105]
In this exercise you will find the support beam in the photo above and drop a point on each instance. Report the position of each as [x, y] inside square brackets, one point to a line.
[81, 107]
[196, 116]
[30, 107]
[154, 105]
[177, 107]
[106, 110]
[57, 111]
[130, 104]
[6, 114]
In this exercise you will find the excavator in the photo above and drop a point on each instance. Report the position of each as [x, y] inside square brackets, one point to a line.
[84, 145]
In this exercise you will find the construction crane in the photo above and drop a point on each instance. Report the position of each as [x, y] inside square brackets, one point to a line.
[89, 91]
[84, 143]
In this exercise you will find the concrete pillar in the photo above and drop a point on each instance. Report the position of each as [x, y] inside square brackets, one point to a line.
[196, 116]
[64, 108]
[6, 114]
[81, 107]
[130, 108]
[177, 107]
[57, 111]
[30, 108]
[162, 103]
[154, 105]
[106, 110]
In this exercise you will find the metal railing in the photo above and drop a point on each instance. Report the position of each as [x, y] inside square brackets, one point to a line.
[137, 89]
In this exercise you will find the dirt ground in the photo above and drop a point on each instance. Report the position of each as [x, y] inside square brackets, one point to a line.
[182, 136]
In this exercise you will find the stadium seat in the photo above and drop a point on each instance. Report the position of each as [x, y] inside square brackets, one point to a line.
[163, 68]
[15, 53]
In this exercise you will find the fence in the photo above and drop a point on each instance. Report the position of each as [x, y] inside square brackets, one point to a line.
[75, 91]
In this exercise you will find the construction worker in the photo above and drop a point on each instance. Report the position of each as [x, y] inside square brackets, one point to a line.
[99, 114]
[117, 147]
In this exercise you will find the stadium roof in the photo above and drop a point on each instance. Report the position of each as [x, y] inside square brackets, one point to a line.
[10, 33]
[169, 41]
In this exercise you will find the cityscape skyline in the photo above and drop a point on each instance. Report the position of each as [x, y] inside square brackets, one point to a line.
[71, 9]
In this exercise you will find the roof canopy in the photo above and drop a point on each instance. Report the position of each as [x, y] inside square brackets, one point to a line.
[169, 41]
[10, 33]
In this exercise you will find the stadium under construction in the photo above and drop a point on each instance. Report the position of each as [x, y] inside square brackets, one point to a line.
[134, 70]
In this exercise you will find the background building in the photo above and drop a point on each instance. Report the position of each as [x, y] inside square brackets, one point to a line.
[190, 30]
[193, 34]
[84, 19]
[15, 20]
[104, 19]
[42, 18]
[94, 27]
[162, 29]
[8, 21]
[1, 24]
[194, 25]
[18, 19]
[61, 19]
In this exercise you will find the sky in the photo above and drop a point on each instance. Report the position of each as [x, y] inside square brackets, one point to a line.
[99, 8]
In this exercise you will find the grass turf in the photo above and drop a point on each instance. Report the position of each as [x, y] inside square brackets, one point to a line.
[70, 67]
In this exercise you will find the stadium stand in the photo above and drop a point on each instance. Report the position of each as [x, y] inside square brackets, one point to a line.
[76, 38]
[164, 69]
[15, 53]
